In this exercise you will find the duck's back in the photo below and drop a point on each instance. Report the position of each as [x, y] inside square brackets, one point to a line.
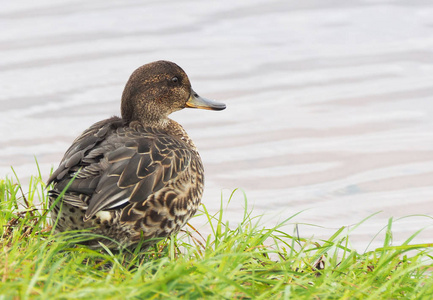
[128, 181]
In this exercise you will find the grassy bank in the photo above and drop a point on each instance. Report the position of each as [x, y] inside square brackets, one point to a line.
[242, 262]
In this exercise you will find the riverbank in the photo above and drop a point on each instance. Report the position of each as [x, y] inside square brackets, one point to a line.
[233, 262]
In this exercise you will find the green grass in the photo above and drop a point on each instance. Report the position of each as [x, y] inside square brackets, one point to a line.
[246, 261]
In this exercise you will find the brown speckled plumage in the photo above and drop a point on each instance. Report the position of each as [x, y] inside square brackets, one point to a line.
[139, 176]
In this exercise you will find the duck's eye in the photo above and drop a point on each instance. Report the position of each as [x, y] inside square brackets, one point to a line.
[175, 79]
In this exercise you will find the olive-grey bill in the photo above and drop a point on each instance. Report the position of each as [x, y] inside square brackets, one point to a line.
[195, 101]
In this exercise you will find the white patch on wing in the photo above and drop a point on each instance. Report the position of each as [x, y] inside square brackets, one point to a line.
[103, 215]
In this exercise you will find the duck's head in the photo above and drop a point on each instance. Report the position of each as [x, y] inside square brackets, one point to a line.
[157, 89]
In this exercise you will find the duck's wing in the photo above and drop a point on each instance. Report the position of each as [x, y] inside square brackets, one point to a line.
[81, 147]
[128, 165]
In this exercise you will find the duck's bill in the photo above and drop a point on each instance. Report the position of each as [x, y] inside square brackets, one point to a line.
[195, 101]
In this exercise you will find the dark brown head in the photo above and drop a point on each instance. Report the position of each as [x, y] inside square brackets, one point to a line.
[156, 90]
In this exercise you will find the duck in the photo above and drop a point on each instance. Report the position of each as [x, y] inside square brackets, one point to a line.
[137, 178]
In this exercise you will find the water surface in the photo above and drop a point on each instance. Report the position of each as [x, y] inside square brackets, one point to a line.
[329, 105]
